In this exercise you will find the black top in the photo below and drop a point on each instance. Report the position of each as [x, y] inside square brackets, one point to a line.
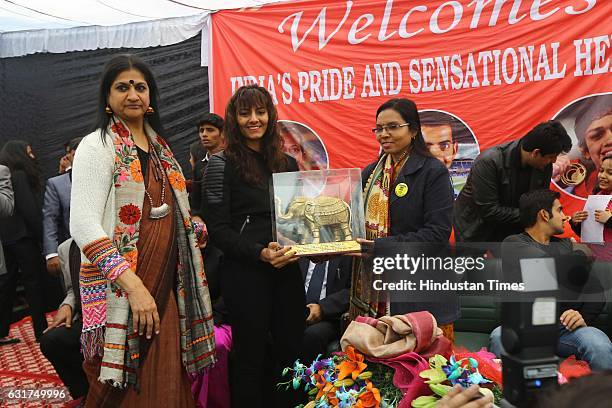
[238, 215]
[26, 220]
[144, 161]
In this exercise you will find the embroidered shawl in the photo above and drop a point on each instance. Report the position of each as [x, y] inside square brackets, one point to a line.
[364, 300]
[107, 321]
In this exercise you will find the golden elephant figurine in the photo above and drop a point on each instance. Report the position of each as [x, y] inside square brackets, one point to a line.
[318, 212]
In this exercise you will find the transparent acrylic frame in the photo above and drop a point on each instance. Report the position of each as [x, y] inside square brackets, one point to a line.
[318, 212]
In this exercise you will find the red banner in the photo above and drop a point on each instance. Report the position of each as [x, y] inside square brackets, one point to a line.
[483, 71]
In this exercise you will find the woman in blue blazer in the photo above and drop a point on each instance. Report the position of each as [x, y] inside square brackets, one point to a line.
[408, 198]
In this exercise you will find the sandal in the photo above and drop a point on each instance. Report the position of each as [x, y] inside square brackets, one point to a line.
[9, 340]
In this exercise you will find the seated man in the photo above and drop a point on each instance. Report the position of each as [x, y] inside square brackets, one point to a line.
[542, 215]
[327, 285]
[61, 341]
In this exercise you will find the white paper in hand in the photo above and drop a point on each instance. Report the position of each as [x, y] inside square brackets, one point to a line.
[592, 231]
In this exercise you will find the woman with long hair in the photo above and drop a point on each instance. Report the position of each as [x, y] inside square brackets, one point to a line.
[21, 238]
[261, 283]
[408, 197]
[147, 319]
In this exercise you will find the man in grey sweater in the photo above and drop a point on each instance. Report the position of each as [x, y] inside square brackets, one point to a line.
[543, 218]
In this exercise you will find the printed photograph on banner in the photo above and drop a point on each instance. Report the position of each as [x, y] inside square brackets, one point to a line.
[588, 121]
[451, 141]
[304, 145]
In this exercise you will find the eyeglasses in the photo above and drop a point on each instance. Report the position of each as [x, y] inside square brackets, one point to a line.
[442, 146]
[389, 128]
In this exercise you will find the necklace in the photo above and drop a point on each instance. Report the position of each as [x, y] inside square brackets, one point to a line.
[163, 209]
[402, 157]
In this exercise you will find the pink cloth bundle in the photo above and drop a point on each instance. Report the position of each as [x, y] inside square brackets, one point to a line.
[391, 336]
[402, 342]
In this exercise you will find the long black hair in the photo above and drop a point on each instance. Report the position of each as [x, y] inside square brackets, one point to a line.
[112, 69]
[14, 156]
[409, 112]
[247, 97]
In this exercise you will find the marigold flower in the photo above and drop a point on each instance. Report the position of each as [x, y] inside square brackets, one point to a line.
[177, 181]
[129, 214]
[136, 171]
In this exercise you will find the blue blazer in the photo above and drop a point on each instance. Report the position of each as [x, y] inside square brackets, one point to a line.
[423, 214]
[56, 212]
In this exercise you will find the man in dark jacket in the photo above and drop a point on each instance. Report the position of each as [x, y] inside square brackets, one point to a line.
[327, 285]
[56, 212]
[210, 131]
[543, 217]
[487, 207]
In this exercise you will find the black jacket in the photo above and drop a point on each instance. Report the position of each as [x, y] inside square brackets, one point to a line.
[487, 207]
[338, 286]
[424, 214]
[238, 215]
[26, 220]
[195, 197]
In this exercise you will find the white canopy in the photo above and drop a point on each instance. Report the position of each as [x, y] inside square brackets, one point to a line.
[30, 26]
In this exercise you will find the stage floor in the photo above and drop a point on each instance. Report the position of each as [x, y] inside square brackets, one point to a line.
[25, 371]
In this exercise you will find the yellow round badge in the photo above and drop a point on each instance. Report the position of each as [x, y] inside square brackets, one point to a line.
[401, 189]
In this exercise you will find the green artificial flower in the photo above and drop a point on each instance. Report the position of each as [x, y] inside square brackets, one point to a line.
[437, 361]
[433, 375]
[428, 401]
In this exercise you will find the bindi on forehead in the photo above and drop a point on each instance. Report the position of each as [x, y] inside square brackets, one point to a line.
[130, 82]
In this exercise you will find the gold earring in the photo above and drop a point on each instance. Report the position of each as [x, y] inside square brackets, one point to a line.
[150, 110]
[108, 110]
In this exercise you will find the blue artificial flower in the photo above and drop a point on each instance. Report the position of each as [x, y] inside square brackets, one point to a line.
[322, 403]
[455, 373]
[477, 378]
[346, 398]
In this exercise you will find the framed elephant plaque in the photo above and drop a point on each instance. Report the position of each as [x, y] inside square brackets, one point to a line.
[318, 212]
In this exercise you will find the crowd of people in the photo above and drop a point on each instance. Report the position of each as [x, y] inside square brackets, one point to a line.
[176, 293]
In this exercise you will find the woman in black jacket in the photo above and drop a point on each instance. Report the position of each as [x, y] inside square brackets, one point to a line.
[408, 197]
[260, 281]
[21, 237]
